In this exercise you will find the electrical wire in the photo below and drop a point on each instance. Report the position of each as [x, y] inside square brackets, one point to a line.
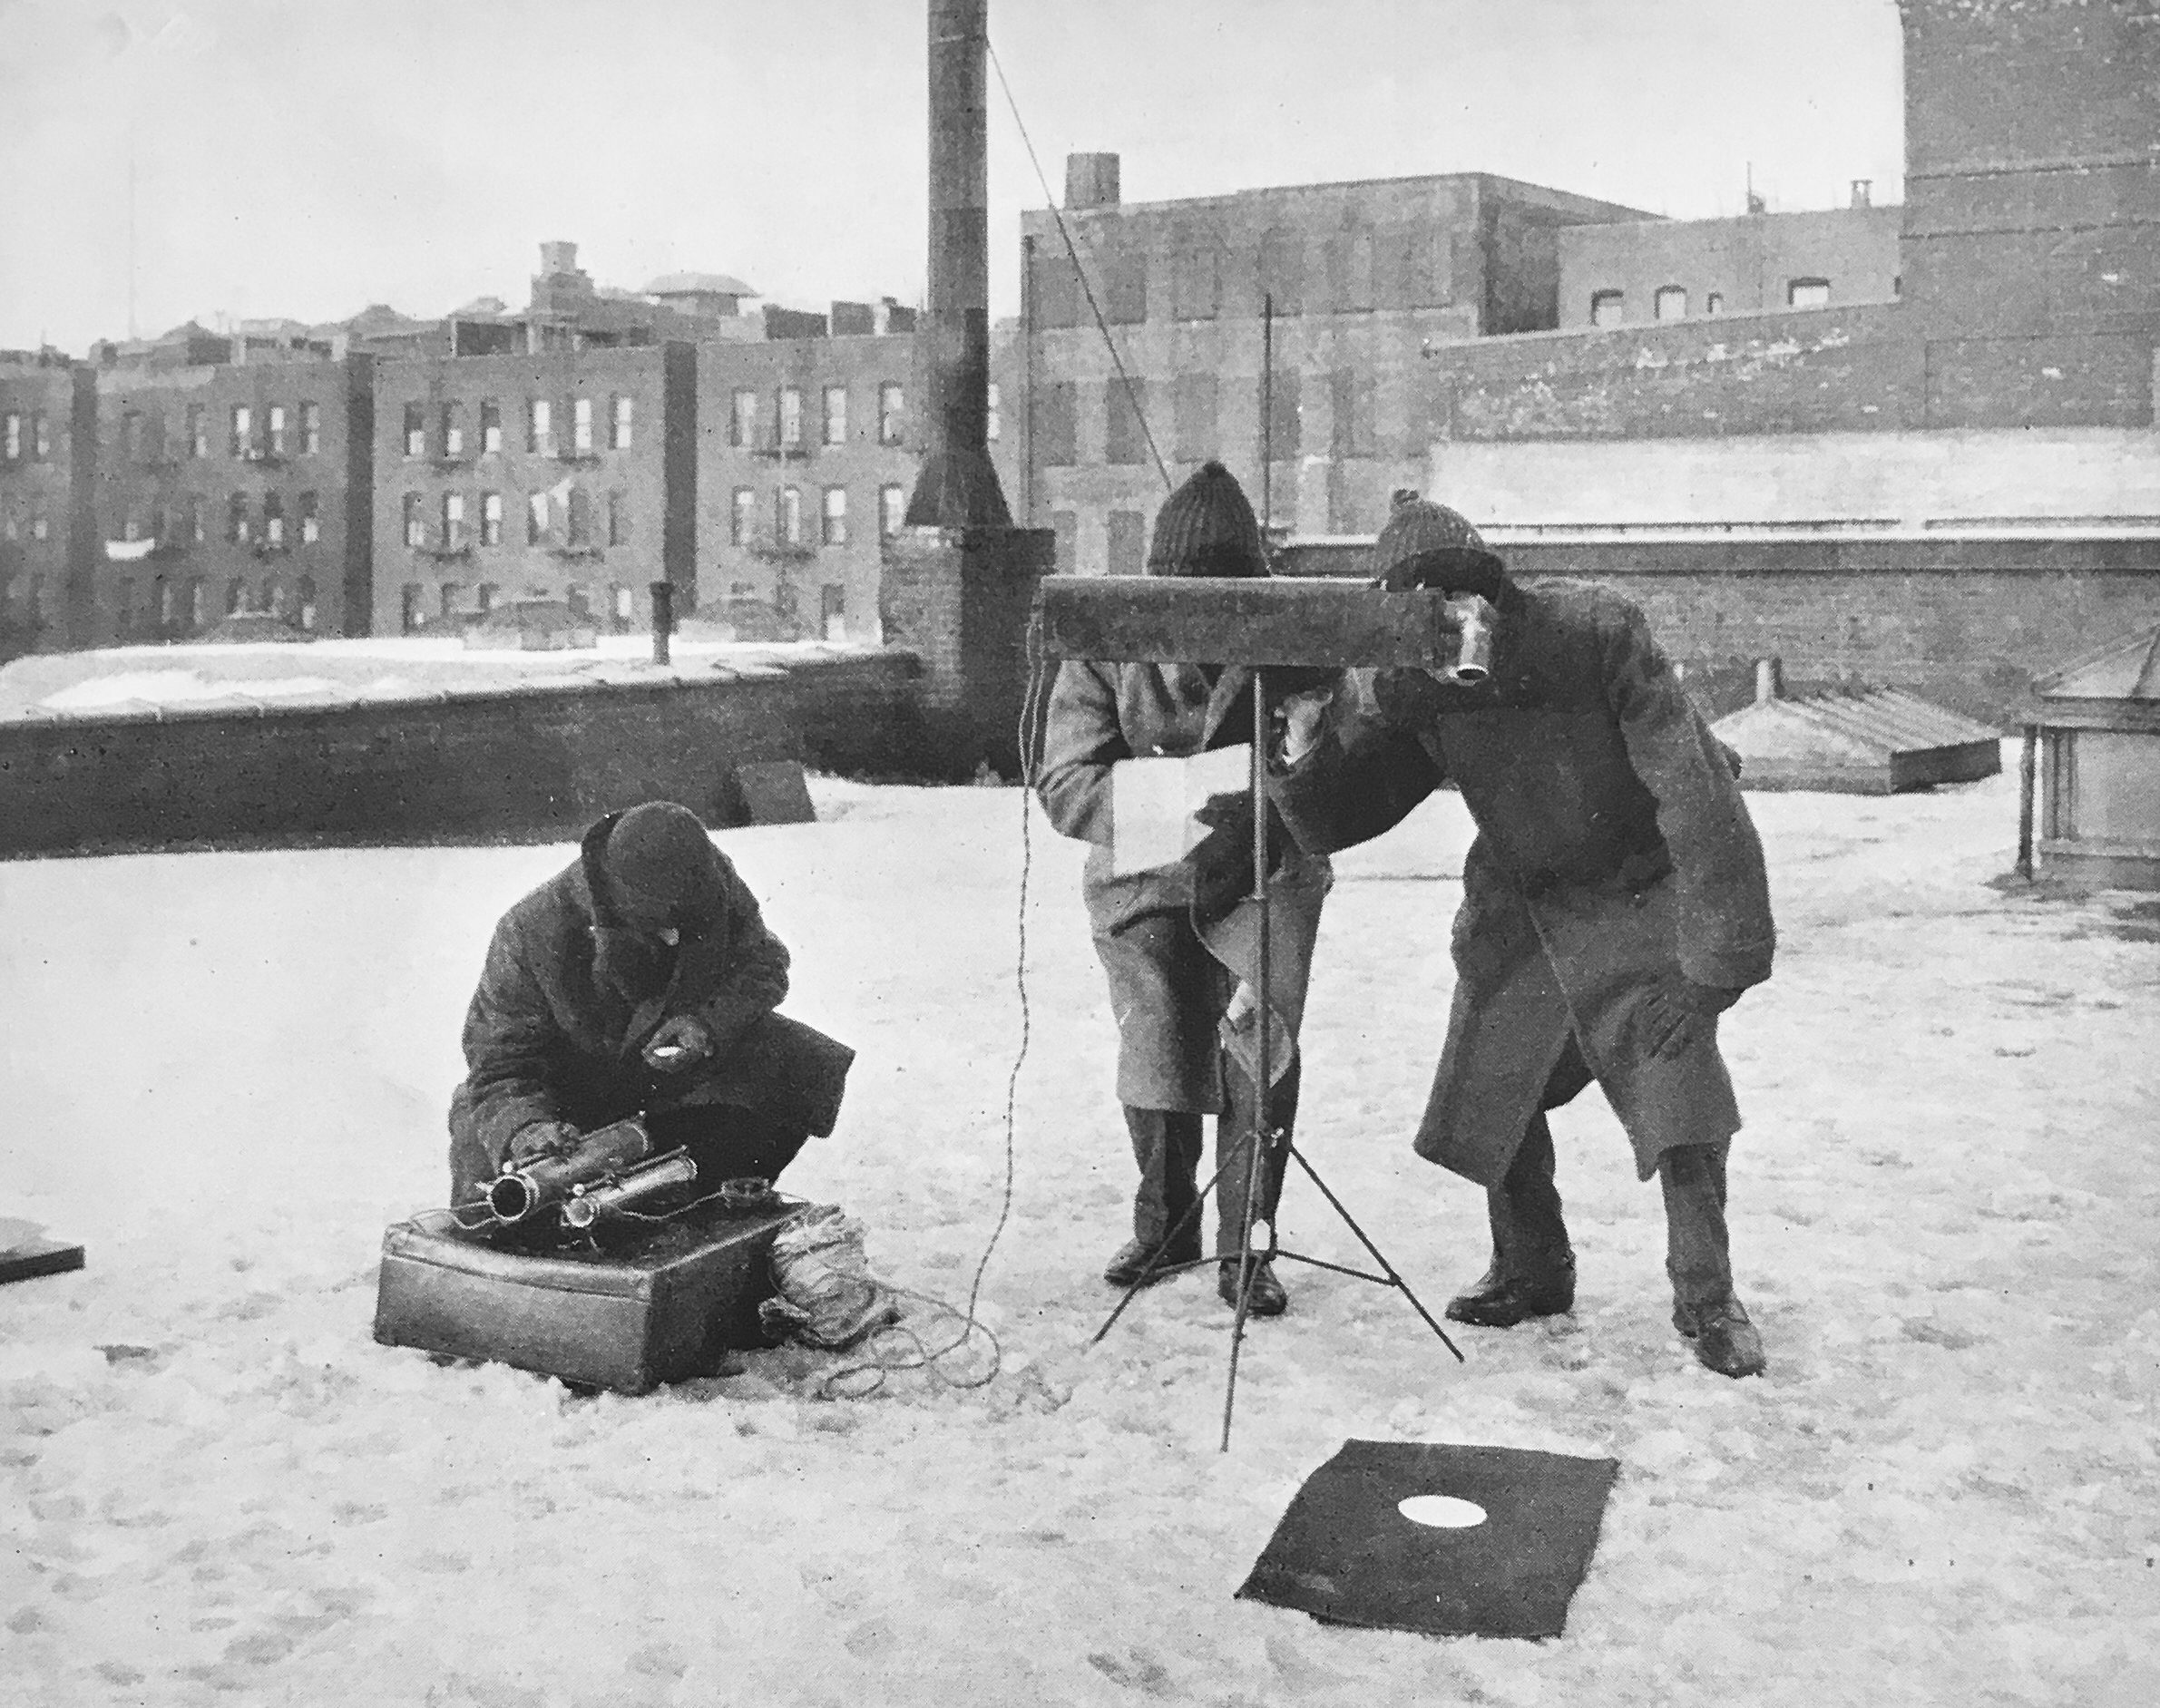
[1132, 395]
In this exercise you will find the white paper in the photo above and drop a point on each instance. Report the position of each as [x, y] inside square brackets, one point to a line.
[1153, 802]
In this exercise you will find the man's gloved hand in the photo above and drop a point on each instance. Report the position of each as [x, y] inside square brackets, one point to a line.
[1408, 695]
[1222, 860]
[1677, 1015]
[540, 1141]
[682, 1040]
[1303, 719]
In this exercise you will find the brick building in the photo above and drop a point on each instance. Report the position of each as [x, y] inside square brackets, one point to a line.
[803, 470]
[1363, 279]
[568, 473]
[48, 433]
[241, 483]
[1679, 269]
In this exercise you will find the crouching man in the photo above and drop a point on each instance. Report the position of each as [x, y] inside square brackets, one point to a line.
[640, 980]
[1615, 903]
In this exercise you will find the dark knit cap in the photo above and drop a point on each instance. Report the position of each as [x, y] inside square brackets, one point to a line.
[1426, 544]
[1207, 527]
[660, 856]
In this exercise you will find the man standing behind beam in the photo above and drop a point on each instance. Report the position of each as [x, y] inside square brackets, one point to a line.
[1180, 943]
[1614, 903]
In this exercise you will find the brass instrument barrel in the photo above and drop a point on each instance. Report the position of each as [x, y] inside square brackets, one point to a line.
[521, 1191]
[655, 1177]
[1473, 619]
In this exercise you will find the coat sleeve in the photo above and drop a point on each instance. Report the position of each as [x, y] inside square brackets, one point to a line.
[510, 1035]
[755, 982]
[1083, 738]
[1726, 934]
[1361, 779]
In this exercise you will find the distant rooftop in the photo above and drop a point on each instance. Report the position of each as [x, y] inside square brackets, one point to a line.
[699, 284]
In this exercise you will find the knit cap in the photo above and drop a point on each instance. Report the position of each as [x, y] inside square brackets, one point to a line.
[659, 855]
[1207, 527]
[1426, 544]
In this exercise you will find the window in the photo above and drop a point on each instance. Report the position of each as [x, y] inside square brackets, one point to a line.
[1128, 542]
[618, 519]
[310, 520]
[490, 427]
[416, 525]
[626, 612]
[195, 612]
[451, 592]
[1055, 438]
[308, 602]
[791, 415]
[411, 618]
[835, 415]
[1125, 433]
[198, 430]
[14, 438]
[1714, 303]
[742, 420]
[1064, 527]
[619, 412]
[892, 509]
[311, 436]
[415, 430]
[1193, 405]
[125, 603]
[1808, 293]
[243, 430]
[787, 516]
[1054, 292]
[1608, 308]
[536, 519]
[236, 597]
[132, 529]
[40, 527]
[273, 596]
[540, 426]
[484, 599]
[236, 518]
[491, 519]
[832, 610]
[199, 520]
[836, 516]
[453, 520]
[990, 427]
[1125, 286]
[1282, 270]
[579, 520]
[1197, 283]
[131, 437]
[1286, 417]
[41, 436]
[892, 413]
[739, 517]
[277, 429]
[581, 608]
[581, 426]
[1670, 303]
[454, 431]
[273, 519]
[1352, 405]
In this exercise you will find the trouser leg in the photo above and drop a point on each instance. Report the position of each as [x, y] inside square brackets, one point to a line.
[1232, 1126]
[1699, 1253]
[1165, 1144]
[1529, 1235]
[726, 1143]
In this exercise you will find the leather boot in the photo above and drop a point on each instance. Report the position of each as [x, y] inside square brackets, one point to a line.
[1264, 1296]
[1500, 1301]
[1724, 1340]
[1132, 1261]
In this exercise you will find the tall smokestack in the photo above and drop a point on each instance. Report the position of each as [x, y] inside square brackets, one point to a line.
[957, 486]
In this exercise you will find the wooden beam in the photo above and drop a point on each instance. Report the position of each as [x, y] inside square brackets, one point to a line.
[1197, 619]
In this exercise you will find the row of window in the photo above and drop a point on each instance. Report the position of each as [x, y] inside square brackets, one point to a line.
[419, 612]
[786, 513]
[188, 523]
[1669, 302]
[17, 525]
[540, 423]
[1194, 418]
[22, 437]
[753, 424]
[165, 607]
[562, 516]
[1392, 267]
[251, 435]
[26, 595]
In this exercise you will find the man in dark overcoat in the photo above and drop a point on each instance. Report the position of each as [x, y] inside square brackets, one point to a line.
[1614, 903]
[641, 979]
[1179, 942]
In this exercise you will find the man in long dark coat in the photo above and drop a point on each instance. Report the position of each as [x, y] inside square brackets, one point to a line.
[1179, 942]
[641, 979]
[1614, 903]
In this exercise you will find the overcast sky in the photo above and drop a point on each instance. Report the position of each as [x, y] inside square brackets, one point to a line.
[308, 157]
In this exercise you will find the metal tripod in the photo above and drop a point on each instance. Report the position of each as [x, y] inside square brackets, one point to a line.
[1264, 1144]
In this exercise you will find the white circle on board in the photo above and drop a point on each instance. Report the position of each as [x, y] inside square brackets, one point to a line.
[1442, 1512]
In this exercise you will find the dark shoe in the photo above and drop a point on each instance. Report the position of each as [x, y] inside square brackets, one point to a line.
[1501, 1303]
[1263, 1295]
[1130, 1263]
[1724, 1340]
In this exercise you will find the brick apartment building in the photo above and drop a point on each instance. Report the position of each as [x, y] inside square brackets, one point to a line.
[48, 435]
[566, 474]
[803, 470]
[232, 475]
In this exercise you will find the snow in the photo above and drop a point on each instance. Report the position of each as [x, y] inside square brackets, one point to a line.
[226, 1073]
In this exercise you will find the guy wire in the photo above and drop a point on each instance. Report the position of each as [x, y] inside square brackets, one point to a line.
[1101, 324]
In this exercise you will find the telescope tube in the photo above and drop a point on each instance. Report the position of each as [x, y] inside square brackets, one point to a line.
[587, 1207]
[521, 1191]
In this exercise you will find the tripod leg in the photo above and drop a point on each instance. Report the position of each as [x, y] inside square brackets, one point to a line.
[1257, 1138]
[1379, 1256]
[1191, 1213]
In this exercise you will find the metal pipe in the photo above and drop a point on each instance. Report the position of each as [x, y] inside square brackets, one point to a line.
[1267, 414]
[1473, 618]
[586, 1207]
[662, 595]
[2028, 768]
